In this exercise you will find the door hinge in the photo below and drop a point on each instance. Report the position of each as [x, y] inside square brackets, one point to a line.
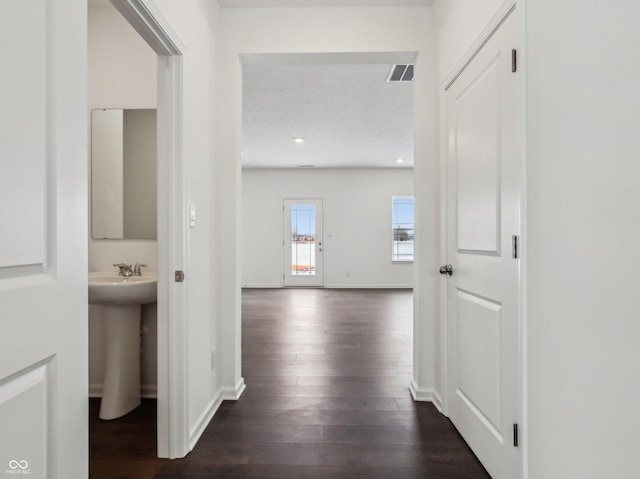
[515, 435]
[514, 60]
[515, 246]
[179, 276]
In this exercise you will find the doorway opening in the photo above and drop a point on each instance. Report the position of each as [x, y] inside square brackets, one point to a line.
[172, 413]
[327, 146]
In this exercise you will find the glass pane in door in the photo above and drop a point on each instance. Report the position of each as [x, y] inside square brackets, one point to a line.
[303, 240]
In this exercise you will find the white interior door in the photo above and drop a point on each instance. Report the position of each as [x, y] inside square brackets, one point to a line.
[303, 242]
[483, 198]
[43, 239]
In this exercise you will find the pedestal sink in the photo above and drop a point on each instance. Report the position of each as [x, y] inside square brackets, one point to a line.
[121, 298]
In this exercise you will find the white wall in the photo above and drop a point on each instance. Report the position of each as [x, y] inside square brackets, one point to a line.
[194, 24]
[583, 180]
[122, 74]
[321, 30]
[356, 223]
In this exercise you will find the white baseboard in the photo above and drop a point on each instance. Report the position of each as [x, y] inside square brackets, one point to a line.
[225, 394]
[426, 394]
[335, 286]
[146, 391]
[203, 420]
[233, 394]
[95, 390]
[368, 286]
[437, 401]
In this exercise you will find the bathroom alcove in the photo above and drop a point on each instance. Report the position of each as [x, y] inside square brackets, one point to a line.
[122, 74]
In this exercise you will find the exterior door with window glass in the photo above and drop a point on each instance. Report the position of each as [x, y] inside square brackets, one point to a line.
[303, 242]
[402, 228]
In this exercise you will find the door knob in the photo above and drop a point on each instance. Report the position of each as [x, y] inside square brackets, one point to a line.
[447, 269]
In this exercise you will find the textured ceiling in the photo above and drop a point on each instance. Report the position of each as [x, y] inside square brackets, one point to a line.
[299, 3]
[349, 116]
[99, 4]
[324, 3]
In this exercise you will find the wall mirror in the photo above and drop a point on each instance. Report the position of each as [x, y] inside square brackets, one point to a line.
[123, 174]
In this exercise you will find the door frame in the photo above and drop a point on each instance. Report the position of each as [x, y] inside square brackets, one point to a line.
[498, 19]
[286, 261]
[173, 412]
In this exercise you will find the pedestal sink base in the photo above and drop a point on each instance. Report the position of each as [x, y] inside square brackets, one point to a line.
[121, 297]
[121, 390]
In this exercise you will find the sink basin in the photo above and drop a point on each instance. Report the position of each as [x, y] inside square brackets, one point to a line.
[109, 288]
[121, 297]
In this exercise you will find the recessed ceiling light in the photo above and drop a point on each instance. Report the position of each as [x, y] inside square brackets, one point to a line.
[298, 140]
[399, 160]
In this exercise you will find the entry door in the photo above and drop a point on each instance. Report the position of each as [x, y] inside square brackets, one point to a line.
[43, 239]
[303, 242]
[483, 195]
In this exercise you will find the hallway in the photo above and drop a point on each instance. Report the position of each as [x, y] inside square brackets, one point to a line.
[327, 375]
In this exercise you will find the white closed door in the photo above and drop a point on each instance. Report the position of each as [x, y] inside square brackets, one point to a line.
[43, 239]
[303, 243]
[483, 291]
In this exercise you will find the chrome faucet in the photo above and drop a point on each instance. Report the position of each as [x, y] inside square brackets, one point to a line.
[125, 269]
[137, 271]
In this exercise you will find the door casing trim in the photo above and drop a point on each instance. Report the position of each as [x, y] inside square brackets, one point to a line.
[173, 411]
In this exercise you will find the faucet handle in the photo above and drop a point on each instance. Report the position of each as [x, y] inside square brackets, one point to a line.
[124, 269]
[137, 271]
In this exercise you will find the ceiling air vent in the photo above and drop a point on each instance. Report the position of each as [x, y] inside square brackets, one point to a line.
[400, 73]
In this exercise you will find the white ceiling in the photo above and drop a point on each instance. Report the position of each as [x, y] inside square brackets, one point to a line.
[349, 116]
[299, 3]
[324, 3]
[99, 4]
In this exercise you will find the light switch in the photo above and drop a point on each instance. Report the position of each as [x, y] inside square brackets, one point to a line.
[192, 217]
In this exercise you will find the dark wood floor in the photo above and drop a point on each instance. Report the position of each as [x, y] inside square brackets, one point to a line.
[327, 375]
